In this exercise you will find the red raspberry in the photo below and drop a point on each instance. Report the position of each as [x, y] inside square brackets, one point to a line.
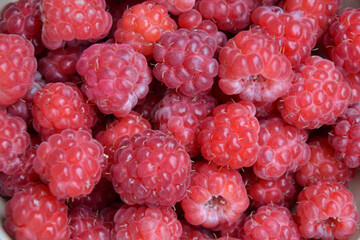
[115, 77]
[146, 106]
[353, 80]
[265, 109]
[229, 15]
[34, 213]
[282, 148]
[143, 223]
[18, 68]
[230, 136]
[216, 195]
[142, 25]
[294, 32]
[176, 7]
[317, 96]
[70, 162]
[69, 20]
[191, 232]
[181, 117]
[59, 106]
[233, 229]
[326, 210]
[271, 222]
[344, 137]
[190, 19]
[185, 61]
[59, 65]
[151, 168]
[252, 66]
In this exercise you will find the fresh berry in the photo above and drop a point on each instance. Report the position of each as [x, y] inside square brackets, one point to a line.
[145, 223]
[295, 33]
[70, 162]
[252, 66]
[317, 96]
[73, 20]
[18, 66]
[115, 77]
[282, 148]
[147, 105]
[34, 213]
[191, 232]
[271, 222]
[176, 7]
[326, 210]
[232, 229]
[216, 195]
[185, 61]
[59, 106]
[353, 80]
[142, 25]
[181, 117]
[151, 168]
[190, 19]
[230, 136]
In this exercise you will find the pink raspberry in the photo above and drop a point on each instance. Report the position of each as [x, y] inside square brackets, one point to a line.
[142, 223]
[185, 61]
[73, 20]
[282, 148]
[271, 222]
[230, 136]
[34, 213]
[176, 7]
[317, 96]
[326, 210]
[216, 195]
[18, 68]
[70, 162]
[151, 168]
[181, 117]
[191, 232]
[59, 106]
[252, 66]
[115, 77]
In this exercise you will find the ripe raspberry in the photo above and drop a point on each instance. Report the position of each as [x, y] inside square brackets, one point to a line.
[353, 80]
[282, 148]
[181, 117]
[271, 222]
[142, 25]
[115, 77]
[294, 32]
[190, 19]
[176, 7]
[73, 20]
[185, 61]
[233, 229]
[229, 15]
[143, 223]
[146, 106]
[18, 68]
[216, 195]
[191, 232]
[317, 96]
[59, 65]
[252, 66]
[34, 213]
[151, 168]
[59, 106]
[230, 136]
[70, 162]
[326, 210]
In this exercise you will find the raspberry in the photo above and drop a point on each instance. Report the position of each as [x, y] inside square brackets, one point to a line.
[59, 65]
[216, 195]
[176, 7]
[142, 25]
[59, 106]
[115, 77]
[73, 20]
[265, 109]
[294, 32]
[232, 229]
[353, 80]
[252, 66]
[317, 96]
[142, 223]
[271, 222]
[326, 210]
[181, 117]
[190, 19]
[282, 148]
[151, 168]
[18, 68]
[190, 232]
[229, 15]
[34, 213]
[70, 162]
[146, 106]
[185, 61]
[229, 137]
